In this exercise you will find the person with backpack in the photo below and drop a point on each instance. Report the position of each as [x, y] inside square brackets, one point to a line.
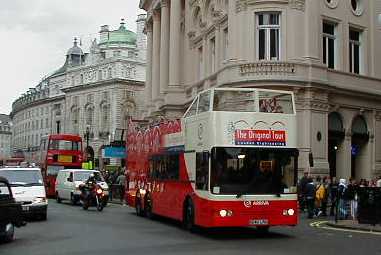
[320, 195]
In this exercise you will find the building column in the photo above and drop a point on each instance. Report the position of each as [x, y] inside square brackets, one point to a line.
[343, 158]
[164, 46]
[312, 30]
[149, 65]
[174, 53]
[155, 82]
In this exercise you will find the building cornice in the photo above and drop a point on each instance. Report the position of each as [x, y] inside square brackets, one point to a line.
[36, 103]
[102, 83]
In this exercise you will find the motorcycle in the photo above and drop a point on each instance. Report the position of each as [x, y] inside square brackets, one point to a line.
[93, 195]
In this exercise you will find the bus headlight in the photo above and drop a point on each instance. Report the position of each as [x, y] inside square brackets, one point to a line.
[290, 212]
[226, 213]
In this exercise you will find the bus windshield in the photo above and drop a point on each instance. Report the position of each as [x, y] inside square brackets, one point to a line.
[64, 145]
[234, 101]
[251, 171]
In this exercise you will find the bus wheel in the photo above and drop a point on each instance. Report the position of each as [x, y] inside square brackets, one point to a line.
[188, 219]
[58, 199]
[148, 207]
[138, 207]
[263, 230]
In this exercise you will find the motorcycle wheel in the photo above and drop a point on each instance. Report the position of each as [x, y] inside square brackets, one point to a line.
[99, 207]
[85, 205]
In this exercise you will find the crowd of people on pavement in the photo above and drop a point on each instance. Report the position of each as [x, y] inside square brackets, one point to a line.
[317, 195]
[116, 180]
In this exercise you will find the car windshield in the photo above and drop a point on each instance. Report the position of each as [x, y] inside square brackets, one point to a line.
[84, 176]
[23, 177]
[251, 171]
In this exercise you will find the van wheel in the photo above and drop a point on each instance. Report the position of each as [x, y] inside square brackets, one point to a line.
[58, 199]
[73, 201]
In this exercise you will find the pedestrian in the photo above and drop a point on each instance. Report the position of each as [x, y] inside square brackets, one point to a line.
[310, 197]
[351, 196]
[324, 201]
[121, 182]
[342, 210]
[319, 196]
[333, 189]
[302, 191]
[379, 182]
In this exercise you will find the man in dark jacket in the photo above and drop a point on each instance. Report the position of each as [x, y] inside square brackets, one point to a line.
[310, 197]
[302, 191]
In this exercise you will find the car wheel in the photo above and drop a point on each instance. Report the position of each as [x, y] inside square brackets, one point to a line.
[58, 199]
[11, 234]
[44, 216]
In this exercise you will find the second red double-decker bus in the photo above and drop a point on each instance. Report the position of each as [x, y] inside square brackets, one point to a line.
[58, 152]
[231, 161]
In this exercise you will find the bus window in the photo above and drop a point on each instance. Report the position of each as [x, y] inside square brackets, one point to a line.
[275, 102]
[165, 167]
[192, 110]
[202, 170]
[204, 102]
[234, 101]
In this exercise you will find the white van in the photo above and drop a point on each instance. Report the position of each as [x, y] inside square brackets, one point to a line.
[68, 181]
[28, 188]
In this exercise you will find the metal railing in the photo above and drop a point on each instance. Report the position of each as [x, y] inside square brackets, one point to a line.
[364, 207]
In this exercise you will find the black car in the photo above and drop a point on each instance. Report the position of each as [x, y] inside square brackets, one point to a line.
[10, 212]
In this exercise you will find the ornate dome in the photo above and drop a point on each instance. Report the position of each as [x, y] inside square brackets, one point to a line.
[121, 36]
[75, 50]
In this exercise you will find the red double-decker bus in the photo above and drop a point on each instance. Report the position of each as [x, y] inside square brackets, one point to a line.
[58, 152]
[231, 161]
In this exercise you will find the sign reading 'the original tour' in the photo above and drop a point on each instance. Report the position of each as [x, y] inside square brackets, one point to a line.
[260, 137]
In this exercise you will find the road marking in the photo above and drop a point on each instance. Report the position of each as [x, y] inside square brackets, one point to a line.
[320, 224]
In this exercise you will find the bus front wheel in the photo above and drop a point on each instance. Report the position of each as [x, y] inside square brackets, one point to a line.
[188, 219]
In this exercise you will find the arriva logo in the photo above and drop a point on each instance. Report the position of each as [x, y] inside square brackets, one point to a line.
[261, 202]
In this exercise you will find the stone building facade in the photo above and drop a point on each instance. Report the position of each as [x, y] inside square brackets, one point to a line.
[5, 137]
[94, 93]
[328, 52]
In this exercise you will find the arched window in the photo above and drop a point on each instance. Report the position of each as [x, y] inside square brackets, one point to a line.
[359, 126]
[105, 117]
[100, 75]
[89, 116]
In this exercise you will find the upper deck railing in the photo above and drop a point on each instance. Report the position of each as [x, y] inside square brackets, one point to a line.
[242, 100]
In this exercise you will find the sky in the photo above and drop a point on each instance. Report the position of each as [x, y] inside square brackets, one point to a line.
[36, 34]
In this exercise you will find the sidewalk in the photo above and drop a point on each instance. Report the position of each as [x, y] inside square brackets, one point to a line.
[354, 225]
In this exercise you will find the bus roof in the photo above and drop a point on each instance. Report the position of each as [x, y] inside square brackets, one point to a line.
[68, 137]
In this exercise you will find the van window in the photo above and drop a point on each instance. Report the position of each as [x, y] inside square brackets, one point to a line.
[84, 176]
[23, 177]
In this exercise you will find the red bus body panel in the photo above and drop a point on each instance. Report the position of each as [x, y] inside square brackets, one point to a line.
[52, 159]
[168, 196]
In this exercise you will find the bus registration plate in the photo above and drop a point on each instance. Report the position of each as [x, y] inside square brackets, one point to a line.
[64, 159]
[259, 222]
